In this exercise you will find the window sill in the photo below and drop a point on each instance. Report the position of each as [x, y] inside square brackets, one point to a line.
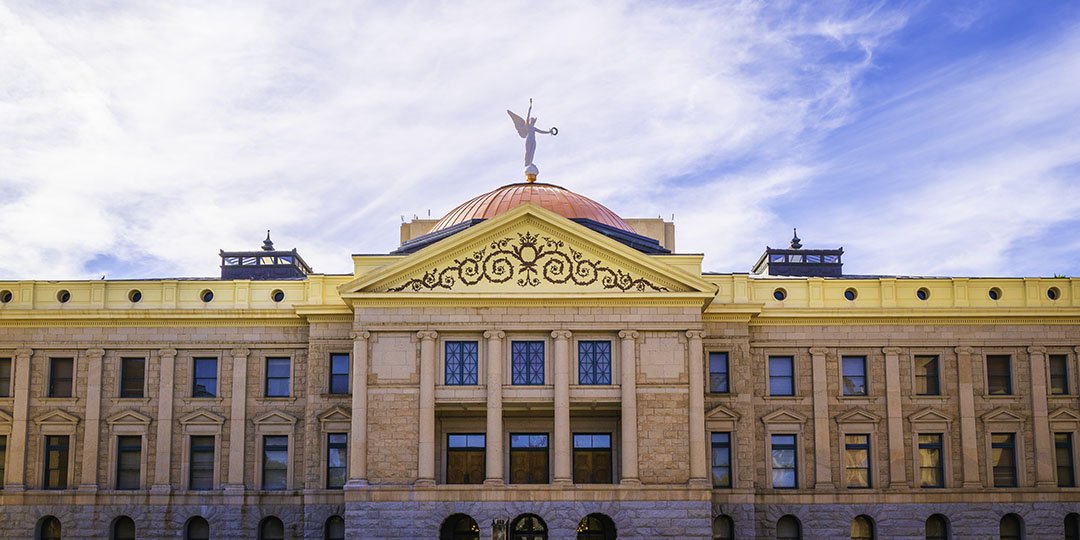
[60, 401]
[192, 400]
[119, 400]
[784, 398]
[334, 396]
[1012, 397]
[286, 399]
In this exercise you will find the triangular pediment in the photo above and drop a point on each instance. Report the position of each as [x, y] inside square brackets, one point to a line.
[783, 416]
[858, 416]
[1002, 414]
[1060, 415]
[275, 417]
[929, 415]
[335, 414]
[130, 417]
[203, 416]
[529, 250]
[57, 417]
[721, 412]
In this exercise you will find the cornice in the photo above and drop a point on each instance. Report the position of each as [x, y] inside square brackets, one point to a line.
[915, 320]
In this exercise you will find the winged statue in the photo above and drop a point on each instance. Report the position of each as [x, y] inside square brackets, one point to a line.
[528, 130]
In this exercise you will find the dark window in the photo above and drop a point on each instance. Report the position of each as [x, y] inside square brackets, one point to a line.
[718, 373]
[862, 528]
[857, 460]
[123, 529]
[56, 462]
[596, 527]
[60, 373]
[527, 362]
[334, 529]
[784, 469]
[1063, 452]
[3, 459]
[461, 363]
[529, 458]
[528, 527]
[1011, 527]
[204, 383]
[275, 472]
[49, 529]
[277, 377]
[931, 466]
[788, 528]
[201, 467]
[594, 362]
[721, 460]
[459, 527]
[271, 528]
[854, 368]
[5, 377]
[592, 458]
[465, 458]
[132, 377]
[339, 374]
[723, 528]
[337, 459]
[999, 375]
[1072, 527]
[781, 376]
[128, 461]
[1059, 374]
[937, 528]
[927, 376]
[1003, 457]
[197, 529]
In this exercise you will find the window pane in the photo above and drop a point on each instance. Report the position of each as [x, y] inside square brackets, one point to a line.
[56, 462]
[926, 376]
[201, 467]
[781, 376]
[60, 373]
[275, 462]
[528, 459]
[721, 459]
[277, 377]
[339, 374]
[1003, 458]
[132, 376]
[718, 372]
[1063, 450]
[5, 377]
[1059, 374]
[204, 383]
[129, 458]
[999, 375]
[854, 369]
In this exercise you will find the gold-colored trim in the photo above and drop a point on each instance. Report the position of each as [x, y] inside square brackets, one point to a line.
[913, 321]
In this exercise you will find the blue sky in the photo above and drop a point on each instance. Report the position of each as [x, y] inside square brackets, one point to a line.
[927, 138]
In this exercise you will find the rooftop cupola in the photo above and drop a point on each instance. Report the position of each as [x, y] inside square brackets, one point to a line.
[266, 264]
[796, 261]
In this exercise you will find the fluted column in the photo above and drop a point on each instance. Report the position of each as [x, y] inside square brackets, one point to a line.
[164, 446]
[92, 433]
[16, 450]
[426, 467]
[894, 418]
[1044, 442]
[968, 441]
[628, 391]
[562, 406]
[358, 466]
[822, 440]
[494, 465]
[699, 465]
[237, 421]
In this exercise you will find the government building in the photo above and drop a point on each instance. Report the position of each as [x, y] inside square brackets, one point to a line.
[534, 366]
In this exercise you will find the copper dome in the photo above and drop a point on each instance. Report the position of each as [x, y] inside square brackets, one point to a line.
[558, 199]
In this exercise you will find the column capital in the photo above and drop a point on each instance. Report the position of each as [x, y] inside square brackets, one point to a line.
[561, 334]
[695, 334]
[1036, 349]
[494, 335]
[819, 351]
[24, 353]
[427, 335]
[360, 335]
[628, 335]
[166, 352]
[892, 350]
[240, 353]
[964, 350]
[95, 352]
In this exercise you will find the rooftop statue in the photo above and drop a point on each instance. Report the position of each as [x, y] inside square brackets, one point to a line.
[528, 130]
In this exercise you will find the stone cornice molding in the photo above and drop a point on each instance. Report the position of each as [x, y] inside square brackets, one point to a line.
[427, 335]
[561, 334]
[494, 335]
[628, 335]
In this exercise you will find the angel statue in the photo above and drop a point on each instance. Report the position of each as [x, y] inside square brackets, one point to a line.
[528, 130]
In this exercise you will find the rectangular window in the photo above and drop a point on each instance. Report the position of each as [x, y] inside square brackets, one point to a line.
[854, 368]
[337, 459]
[781, 376]
[529, 458]
[132, 377]
[527, 362]
[465, 458]
[594, 362]
[857, 460]
[60, 376]
[339, 373]
[277, 377]
[1003, 457]
[718, 373]
[784, 469]
[201, 463]
[931, 466]
[3, 459]
[1063, 452]
[999, 375]
[721, 460]
[275, 473]
[204, 381]
[927, 376]
[56, 462]
[1059, 374]
[461, 363]
[592, 458]
[128, 461]
[5, 377]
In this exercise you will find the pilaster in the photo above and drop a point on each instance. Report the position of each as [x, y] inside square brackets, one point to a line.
[699, 465]
[237, 422]
[1044, 443]
[894, 418]
[426, 465]
[358, 466]
[562, 406]
[494, 456]
[628, 391]
[92, 433]
[968, 436]
[822, 440]
[163, 450]
[16, 459]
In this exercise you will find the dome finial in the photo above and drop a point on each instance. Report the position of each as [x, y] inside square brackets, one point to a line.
[268, 245]
[795, 239]
[530, 173]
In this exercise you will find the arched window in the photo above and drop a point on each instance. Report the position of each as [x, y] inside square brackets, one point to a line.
[788, 528]
[528, 527]
[459, 527]
[271, 528]
[334, 529]
[937, 527]
[1072, 527]
[862, 528]
[723, 528]
[49, 528]
[1012, 527]
[123, 528]
[596, 527]
[197, 529]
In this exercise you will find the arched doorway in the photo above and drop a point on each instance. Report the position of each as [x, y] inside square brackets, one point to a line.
[862, 528]
[123, 528]
[49, 528]
[596, 527]
[528, 527]
[459, 527]
[788, 528]
[1011, 527]
[937, 527]
[271, 528]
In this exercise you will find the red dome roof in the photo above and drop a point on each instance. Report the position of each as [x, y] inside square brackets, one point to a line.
[560, 200]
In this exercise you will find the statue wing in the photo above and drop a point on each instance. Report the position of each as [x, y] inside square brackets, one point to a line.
[519, 123]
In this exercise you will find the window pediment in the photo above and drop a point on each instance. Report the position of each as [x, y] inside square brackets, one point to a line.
[1064, 419]
[721, 412]
[1003, 417]
[275, 418]
[335, 414]
[929, 415]
[202, 417]
[858, 416]
[57, 418]
[128, 417]
[784, 417]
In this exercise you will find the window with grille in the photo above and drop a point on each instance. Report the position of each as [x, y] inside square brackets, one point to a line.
[594, 362]
[527, 362]
[461, 363]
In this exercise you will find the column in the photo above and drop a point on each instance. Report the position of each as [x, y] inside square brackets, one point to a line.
[237, 421]
[699, 465]
[1044, 442]
[562, 407]
[494, 465]
[358, 470]
[92, 432]
[163, 450]
[894, 418]
[628, 391]
[16, 464]
[822, 440]
[968, 440]
[426, 467]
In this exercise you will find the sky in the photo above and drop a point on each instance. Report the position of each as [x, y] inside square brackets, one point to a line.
[925, 137]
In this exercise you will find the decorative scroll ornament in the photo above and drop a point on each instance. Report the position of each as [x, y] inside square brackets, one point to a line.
[528, 261]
